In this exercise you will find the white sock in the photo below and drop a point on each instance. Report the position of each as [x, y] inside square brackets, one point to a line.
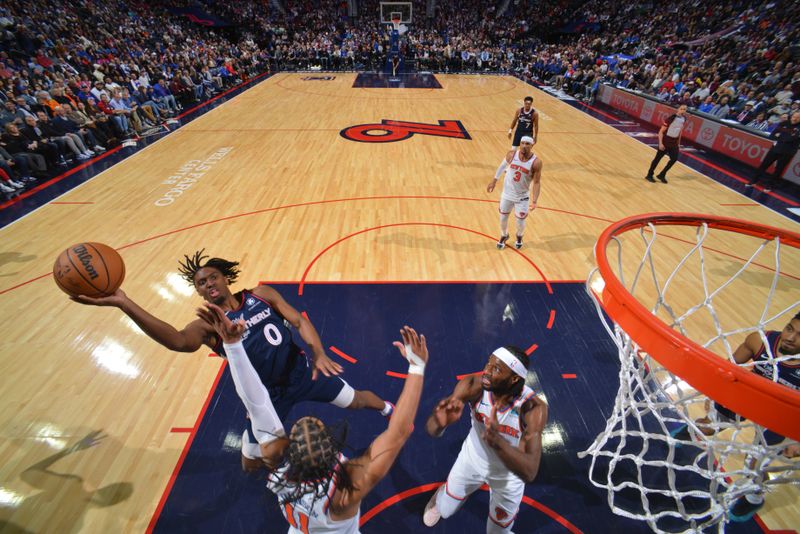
[754, 498]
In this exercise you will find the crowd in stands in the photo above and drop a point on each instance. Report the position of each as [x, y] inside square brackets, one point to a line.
[79, 77]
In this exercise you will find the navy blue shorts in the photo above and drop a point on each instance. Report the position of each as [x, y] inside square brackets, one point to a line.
[300, 387]
[518, 135]
[772, 438]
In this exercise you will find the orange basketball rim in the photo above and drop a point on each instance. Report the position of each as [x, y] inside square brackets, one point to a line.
[756, 398]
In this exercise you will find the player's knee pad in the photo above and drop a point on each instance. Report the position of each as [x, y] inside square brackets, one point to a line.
[345, 397]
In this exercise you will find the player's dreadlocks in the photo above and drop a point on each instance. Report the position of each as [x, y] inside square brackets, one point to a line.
[313, 461]
[525, 360]
[193, 263]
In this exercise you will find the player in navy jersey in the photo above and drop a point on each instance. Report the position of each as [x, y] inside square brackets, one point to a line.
[784, 346]
[526, 120]
[282, 366]
[319, 489]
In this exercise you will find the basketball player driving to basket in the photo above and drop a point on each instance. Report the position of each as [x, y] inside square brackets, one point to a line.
[319, 489]
[504, 446]
[281, 364]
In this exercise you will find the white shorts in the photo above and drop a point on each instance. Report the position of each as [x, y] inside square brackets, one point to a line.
[520, 207]
[505, 493]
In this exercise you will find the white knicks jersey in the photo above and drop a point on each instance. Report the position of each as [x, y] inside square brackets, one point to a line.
[517, 183]
[509, 428]
[310, 514]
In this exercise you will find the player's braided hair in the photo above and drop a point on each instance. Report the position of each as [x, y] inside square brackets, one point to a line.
[192, 264]
[519, 354]
[314, 461]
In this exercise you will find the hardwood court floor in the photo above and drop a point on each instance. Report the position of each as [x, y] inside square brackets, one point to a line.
[267, 179]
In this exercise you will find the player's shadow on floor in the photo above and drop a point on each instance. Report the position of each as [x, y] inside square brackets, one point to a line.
[64, 498]
[561, 242]
[439, 246]
[14, 257]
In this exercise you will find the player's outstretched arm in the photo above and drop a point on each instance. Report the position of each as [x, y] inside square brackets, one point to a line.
[322, 363]
[265, 423]
[189, 339]
[448, 410]
[370, 468]
[523, 460]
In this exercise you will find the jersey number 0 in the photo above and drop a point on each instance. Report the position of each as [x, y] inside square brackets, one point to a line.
[272, 334]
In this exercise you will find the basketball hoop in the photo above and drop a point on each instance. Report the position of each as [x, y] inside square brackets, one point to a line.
[396, 19]
[664, 317]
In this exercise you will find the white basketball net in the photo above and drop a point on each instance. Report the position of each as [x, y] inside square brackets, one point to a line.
[684, 485]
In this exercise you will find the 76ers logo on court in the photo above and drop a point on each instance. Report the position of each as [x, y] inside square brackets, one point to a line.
[389, 131]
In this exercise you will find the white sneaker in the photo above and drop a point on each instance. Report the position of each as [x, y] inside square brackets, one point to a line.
[82, 157]
[431, 516]
[99, 149]
[89, 152]
[18, 185]
[6, 189]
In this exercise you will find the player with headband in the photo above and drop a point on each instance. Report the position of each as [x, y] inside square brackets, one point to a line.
[504, 446]
[522, 184]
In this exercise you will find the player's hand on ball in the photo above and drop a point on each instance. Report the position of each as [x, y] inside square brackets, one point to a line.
[229, 331]
[115, 299]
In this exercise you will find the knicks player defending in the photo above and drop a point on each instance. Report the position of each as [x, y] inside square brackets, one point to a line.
[504, 446]
[283, 367]
[526, 120]
[522, 184]
[319, 489]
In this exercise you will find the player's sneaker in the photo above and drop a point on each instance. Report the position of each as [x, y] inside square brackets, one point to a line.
[431, 516]
[502, 243]
[662, 178]
[743, 510]
[518, 244]
[650, 178]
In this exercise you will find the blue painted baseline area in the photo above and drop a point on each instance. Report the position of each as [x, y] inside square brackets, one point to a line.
[463, 322]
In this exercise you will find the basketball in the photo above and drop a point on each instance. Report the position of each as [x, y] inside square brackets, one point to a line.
[90, 269]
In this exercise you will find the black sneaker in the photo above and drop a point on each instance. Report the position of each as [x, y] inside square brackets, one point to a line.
[662, 178]
[650, 178]
[518, 244]
[743, 510]
[501, 244]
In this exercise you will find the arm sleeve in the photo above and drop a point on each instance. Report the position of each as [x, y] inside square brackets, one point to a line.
[500, 169]
[263, 417]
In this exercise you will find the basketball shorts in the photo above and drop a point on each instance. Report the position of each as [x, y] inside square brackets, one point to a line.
[519, 134]
[505, 493]
[729, 416]
[519, 207]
